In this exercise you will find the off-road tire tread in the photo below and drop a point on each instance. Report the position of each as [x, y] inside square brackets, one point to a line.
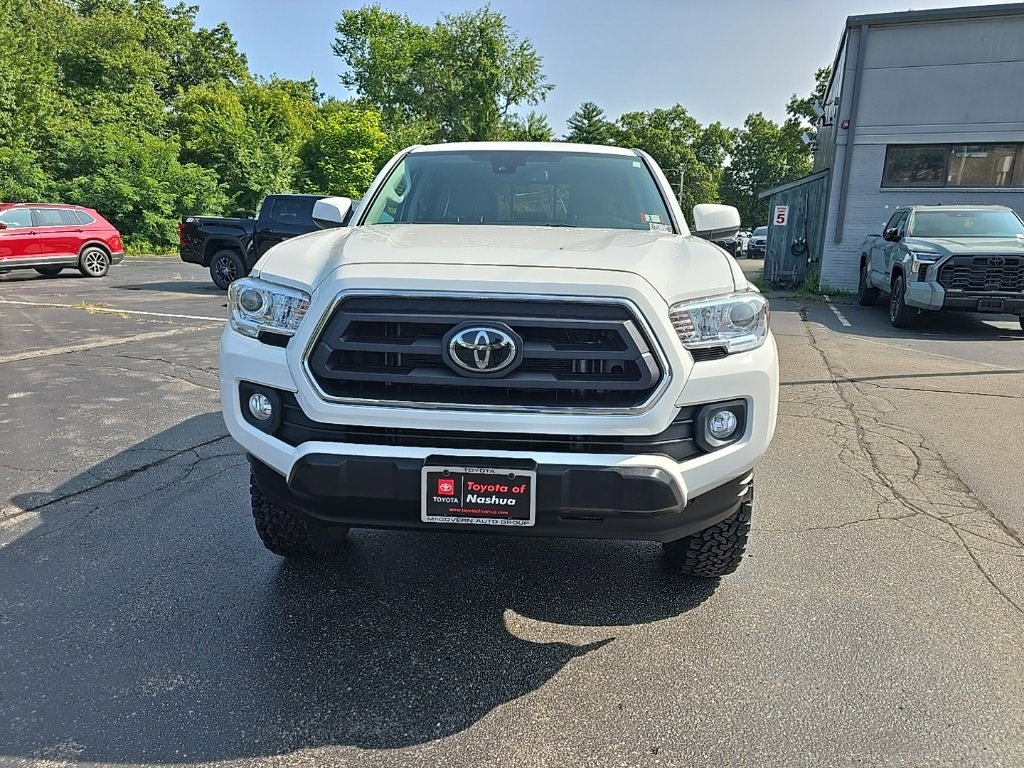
[905, 316]
[288, 535]
[866, 296]
[715, 551]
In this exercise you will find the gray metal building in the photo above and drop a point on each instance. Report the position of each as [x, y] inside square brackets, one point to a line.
[923, 107]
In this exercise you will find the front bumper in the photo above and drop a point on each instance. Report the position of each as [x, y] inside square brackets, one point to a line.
[620, 491]
[930, 294]
[643, 504]
[998, 303]
[117, 257]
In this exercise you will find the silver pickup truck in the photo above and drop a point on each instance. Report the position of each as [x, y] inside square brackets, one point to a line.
[946, 257]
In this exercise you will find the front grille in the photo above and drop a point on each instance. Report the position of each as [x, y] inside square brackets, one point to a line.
[575, 355]
[676, 442]
[983, 274]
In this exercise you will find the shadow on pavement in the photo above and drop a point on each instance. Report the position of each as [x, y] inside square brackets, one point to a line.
[25, 275]
[896, 376]
[141, 621]
[873, 322]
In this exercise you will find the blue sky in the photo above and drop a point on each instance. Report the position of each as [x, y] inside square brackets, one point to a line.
[721, 59]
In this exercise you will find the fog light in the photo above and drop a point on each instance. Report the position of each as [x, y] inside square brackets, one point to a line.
[260, 407]
[722, 424]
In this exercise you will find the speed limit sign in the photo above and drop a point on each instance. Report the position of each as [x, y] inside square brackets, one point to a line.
[781, 215]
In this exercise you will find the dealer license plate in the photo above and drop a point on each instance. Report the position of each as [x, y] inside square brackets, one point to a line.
[478, 496]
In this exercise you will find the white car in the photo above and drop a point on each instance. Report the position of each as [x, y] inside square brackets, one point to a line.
[511, 338]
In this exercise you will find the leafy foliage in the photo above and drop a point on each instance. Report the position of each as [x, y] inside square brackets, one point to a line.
[764, 155]
[588, 125]
[676, 140]
[801, 110]
[464, 76]
[533, 127]
[345, 150]
[129, 107]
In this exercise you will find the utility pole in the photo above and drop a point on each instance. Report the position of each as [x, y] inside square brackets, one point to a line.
[682, 173]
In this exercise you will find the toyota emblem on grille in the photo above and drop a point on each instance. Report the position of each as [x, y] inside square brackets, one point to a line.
[483, 350]
[996, 261]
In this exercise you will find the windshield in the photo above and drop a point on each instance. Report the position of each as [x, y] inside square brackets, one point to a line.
[761, 232]
[965, 223]
[520, 187]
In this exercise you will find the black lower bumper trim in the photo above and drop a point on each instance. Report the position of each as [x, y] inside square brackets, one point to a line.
[642, 503]
[984, 302]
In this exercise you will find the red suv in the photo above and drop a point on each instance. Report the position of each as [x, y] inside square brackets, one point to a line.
[49, 238]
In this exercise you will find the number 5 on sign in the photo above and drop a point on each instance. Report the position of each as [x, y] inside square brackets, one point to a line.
[781, 215]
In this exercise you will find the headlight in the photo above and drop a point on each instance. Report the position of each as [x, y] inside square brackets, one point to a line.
[922, 259]
[737, 322]
[256, 306]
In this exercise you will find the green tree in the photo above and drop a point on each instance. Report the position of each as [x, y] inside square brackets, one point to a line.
[465, 75]
[137, 181]
[675, 139]
[533, 127]
[764, 155]
[588, 125]
[249, 134]
[802, 109]
[345, 151]
[22, 178]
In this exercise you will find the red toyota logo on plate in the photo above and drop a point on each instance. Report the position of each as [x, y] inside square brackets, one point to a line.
[445, 486]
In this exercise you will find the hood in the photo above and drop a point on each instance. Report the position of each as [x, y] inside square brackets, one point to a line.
[677, 267]
[1006, 246]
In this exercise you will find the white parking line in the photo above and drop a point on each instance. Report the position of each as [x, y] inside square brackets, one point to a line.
[114, 311]
[837, 313]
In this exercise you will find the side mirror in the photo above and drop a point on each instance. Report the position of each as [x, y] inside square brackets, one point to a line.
[331, 212]
[2, 226]
[892, 235]
[715, 222]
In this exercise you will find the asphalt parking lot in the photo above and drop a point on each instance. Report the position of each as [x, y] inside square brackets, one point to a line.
[878, 619]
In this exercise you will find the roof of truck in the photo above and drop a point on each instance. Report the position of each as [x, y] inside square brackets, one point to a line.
[523, 146]
[959, 207]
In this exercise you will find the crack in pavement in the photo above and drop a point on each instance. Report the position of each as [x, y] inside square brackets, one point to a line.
[185, 479]
[120, 477]
[211, 371]
[164, 374]
[882, 479]
[937, 391]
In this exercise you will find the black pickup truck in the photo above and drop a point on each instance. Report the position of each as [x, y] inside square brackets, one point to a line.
[230, 247]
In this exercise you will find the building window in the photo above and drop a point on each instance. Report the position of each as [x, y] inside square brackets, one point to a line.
[954, 165]
[914, 166]
[981, 165]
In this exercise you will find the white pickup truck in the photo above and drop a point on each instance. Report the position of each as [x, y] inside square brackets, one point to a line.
[511, 338]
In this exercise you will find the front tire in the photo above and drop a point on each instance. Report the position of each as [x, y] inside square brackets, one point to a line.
[226, 266]
[900, 315]
[94, 262]
[48, 271]
[288, 535]
[866, 295]
[715, 551]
